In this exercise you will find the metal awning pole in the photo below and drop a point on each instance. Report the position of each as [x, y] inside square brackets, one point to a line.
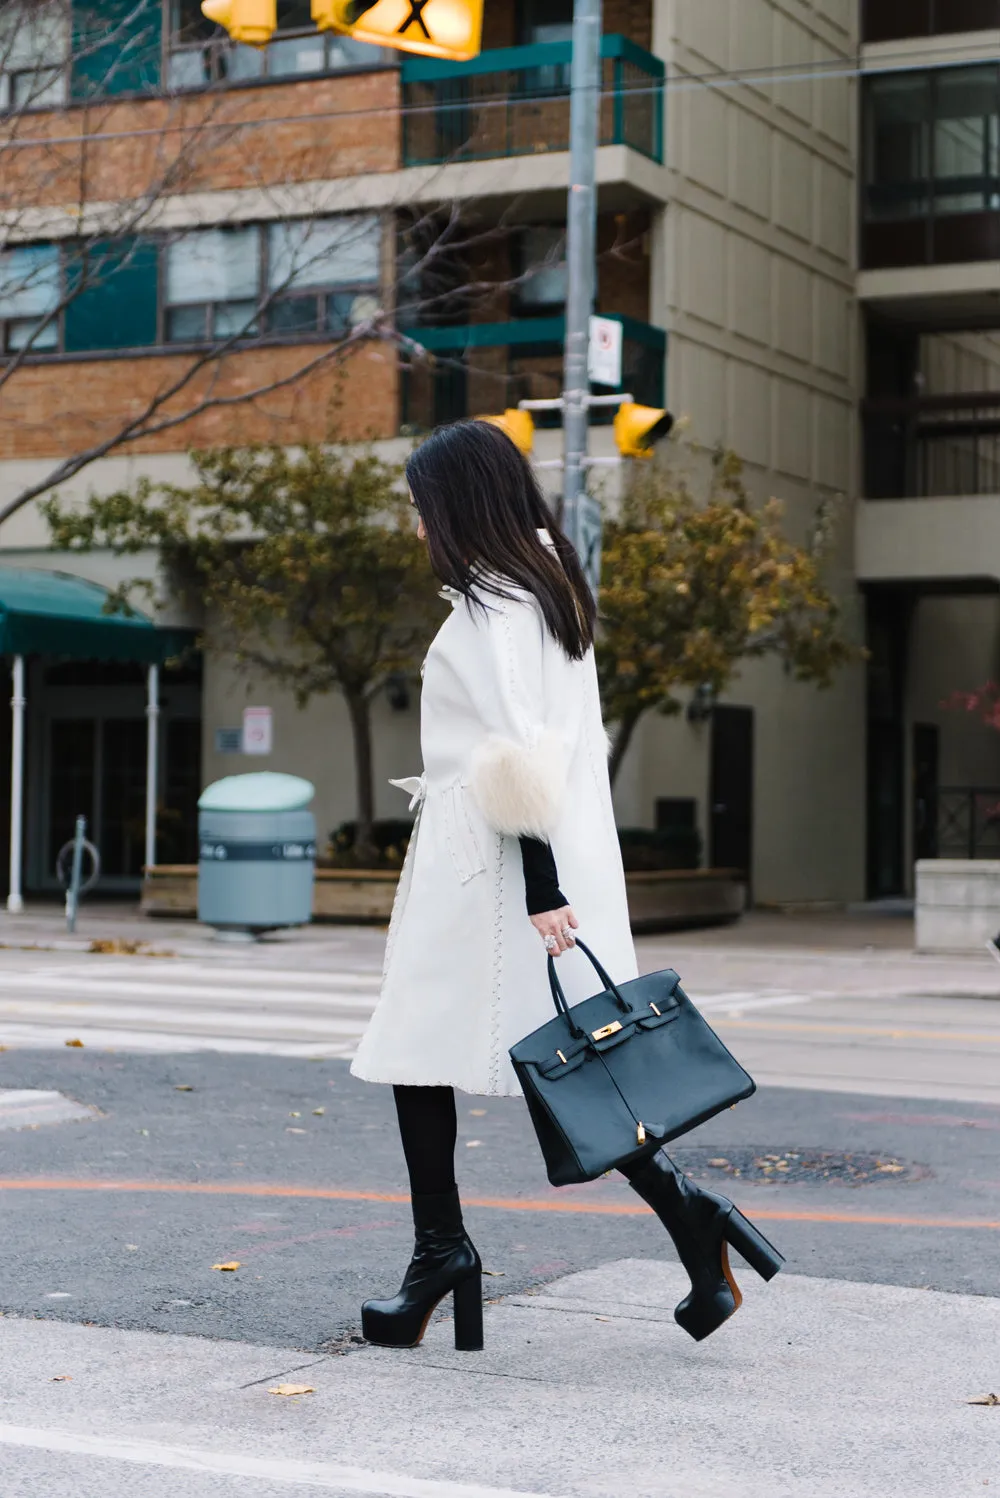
[152, 760]
[18, 702]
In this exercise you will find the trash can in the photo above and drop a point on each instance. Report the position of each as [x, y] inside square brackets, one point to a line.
[257, 853]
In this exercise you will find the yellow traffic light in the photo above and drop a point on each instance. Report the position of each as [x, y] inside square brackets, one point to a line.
[519, 426]
[250, 21]
[434, 28]
[637, 428]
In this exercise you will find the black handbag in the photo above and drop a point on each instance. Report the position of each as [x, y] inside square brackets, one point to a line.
[611, 1079]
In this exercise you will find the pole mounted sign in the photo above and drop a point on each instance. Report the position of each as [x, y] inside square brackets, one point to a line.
[604, 359]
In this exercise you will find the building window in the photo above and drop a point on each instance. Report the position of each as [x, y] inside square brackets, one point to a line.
[932, 143]
[211, 285]
[310, 276]
[34, 49]
[200, 52]
[30, 292]
[323, 274]
[542, 269]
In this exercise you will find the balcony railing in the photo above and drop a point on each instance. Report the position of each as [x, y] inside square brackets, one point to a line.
[893, 20]
[480, 368]
[933, 447]
[968, 821]
[514, 101]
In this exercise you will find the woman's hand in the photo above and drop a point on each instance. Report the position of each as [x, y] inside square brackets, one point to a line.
[559, 924]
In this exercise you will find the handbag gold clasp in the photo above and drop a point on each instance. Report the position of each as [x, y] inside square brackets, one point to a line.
[656, 1011]
[562, 1058]
[640, 1134]
[606, 1030]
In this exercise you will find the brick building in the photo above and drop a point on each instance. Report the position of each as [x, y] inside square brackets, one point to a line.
[798, 204]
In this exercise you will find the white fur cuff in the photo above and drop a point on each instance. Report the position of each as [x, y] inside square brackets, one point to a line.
[520, 791]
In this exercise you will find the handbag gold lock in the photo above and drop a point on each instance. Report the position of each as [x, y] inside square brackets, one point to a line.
[606, 1030]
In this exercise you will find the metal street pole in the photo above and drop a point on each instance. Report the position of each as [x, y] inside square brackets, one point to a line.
[581, 248]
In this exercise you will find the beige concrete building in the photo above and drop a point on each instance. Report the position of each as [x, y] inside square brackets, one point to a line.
[799, 228]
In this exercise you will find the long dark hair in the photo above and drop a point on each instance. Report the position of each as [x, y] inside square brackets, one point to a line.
[482, 510]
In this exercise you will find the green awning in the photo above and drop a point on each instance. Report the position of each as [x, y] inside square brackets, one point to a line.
[52, 613]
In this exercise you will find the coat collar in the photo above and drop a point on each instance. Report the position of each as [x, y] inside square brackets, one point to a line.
[454, 597]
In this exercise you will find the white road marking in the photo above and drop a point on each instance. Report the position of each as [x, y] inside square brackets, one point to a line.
[326, 1475]
[23, 1108]
[741, 1003]
[144, 1005]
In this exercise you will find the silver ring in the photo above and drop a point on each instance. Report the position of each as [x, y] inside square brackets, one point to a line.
[567, 933]
[551, 945]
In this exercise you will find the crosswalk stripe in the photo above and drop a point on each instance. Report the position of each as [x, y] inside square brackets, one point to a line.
[228, 996]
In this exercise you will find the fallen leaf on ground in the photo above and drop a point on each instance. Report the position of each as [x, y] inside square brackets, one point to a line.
[74, 1042]
[473, 1144]
[496, 1274]
[477, 1112]
[987, 1399]
[318, 1112]
[602, 1318]
[63, 1378]
[287, 1390]
[233, 1264]
[295, 1115]
[183, 1087]
[889, 1167]
[296, 1131]
[719, 1161]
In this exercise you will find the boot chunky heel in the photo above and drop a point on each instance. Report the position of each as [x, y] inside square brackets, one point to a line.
[702, 1226]
[751, 1244]
[444, 1260]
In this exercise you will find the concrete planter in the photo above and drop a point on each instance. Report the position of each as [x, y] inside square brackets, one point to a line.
[958, 903]
[681, 899]
[338, 894]
[666, 900]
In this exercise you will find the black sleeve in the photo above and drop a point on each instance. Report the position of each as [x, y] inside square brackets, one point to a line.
[541, 880]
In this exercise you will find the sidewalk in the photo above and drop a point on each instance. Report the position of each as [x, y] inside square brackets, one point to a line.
[587, 1389]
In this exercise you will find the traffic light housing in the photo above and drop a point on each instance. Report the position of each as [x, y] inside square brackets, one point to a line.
[432, 28]
[638, 428]
[519, 426]
[251, 21]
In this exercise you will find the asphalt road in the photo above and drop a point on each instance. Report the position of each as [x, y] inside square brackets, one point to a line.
[241, 1168]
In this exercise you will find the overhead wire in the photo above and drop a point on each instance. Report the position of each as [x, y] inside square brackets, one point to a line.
[680, 82]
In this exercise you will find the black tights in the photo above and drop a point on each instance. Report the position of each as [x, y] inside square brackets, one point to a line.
[428, 1127]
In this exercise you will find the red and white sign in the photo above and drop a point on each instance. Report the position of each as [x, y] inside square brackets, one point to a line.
[258, 730]
[604, 361]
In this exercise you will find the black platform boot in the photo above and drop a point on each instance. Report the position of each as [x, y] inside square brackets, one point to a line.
[703, 1226]
[444, 1258]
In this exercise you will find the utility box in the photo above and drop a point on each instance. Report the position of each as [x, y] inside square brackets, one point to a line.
[257, 853]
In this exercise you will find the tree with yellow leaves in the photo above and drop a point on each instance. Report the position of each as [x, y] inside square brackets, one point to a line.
[690, 590]
[306, 564]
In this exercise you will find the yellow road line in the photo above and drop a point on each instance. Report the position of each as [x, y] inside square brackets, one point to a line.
[502, 1204]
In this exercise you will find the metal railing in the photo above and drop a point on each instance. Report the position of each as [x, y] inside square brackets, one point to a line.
[514, 101]
[968, 821]
[936, 446]
[476, 368]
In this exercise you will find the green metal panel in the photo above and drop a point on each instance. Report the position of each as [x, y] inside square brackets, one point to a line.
[116, 47]
[118, 310]
[523, 331]
[513, 59]
[52, 613]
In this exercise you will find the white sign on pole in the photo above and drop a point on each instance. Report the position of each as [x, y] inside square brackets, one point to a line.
[604, 359]
[590, 539]
[258, 735]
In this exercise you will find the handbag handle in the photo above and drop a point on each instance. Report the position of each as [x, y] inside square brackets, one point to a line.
[559, 998]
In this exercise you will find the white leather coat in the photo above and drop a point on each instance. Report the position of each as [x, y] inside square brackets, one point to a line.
[512, 743]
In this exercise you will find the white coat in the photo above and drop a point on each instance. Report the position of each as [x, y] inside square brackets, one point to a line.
[512, 744]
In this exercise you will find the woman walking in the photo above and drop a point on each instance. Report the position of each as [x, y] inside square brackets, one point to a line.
[514, 807]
